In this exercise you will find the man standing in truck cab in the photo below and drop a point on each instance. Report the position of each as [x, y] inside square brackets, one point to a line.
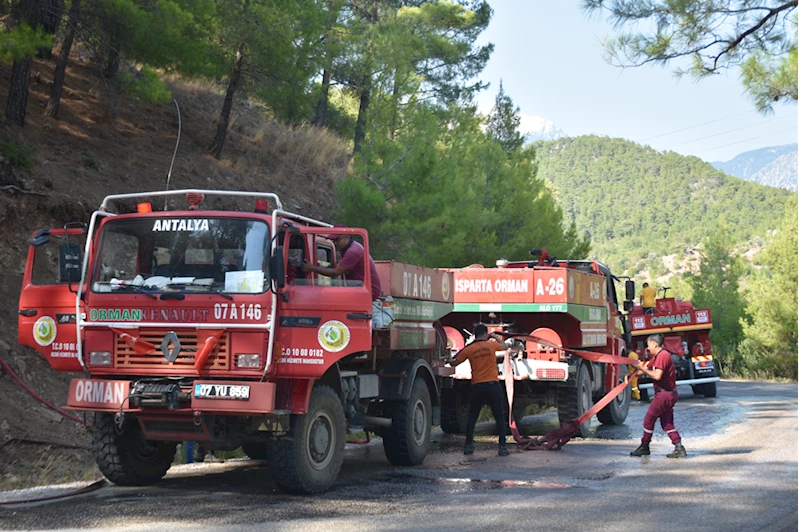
[351, 262]
[661, 371]
[648, 299]
[485, 388]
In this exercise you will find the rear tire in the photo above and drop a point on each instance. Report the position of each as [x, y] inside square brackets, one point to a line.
[709, 389]
[406, 442]
[616, 411]
[125, 457]
[455, 408]
[574, 402]
[644, 394]
[308, 459]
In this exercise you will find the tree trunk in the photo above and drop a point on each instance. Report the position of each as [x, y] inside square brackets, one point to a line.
[366, 83]
[392, 131]
[17, 103]
[112, 65]
[32, 13]
[321, 107]
[224, 117]
[363, 107]
[50, 19]
[61, 66]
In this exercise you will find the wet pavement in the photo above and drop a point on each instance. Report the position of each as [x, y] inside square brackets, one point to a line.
[741, 474]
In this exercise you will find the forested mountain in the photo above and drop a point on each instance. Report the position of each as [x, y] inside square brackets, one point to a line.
[781, 172]
[747, 164]
[634, 201]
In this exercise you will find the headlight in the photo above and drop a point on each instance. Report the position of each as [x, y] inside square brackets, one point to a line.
[100, 358]
[248, 361]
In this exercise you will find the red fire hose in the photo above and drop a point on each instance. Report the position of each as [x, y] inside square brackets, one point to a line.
[38, 397]
[91, 487]
[559, 437]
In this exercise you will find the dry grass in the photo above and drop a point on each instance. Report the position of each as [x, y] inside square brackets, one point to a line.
[26, 466]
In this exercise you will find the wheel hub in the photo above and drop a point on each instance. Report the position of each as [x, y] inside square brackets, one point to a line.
[319, 441]
[419, 418]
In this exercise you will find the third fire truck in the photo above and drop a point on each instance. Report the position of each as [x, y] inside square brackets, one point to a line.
[686, 332]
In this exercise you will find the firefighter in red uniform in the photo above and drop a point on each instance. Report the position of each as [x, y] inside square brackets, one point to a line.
[664, 377]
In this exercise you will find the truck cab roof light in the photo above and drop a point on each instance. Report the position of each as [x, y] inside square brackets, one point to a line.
[194, 199]
[261, 206]
[144, 207]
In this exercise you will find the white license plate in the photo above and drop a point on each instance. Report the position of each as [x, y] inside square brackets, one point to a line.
[222, 391]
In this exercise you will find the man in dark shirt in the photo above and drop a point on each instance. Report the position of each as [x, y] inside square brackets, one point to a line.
[661, 371]
[485, 387]
[351, 262]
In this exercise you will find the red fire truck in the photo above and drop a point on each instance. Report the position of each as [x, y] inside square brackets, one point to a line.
[686, 335]
[199, 325]
[571, 304]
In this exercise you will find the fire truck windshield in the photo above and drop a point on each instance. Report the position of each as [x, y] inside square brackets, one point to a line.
[184, 254]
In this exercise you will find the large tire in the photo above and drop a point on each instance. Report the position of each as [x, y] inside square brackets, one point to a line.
[574, 402]
[124, 456]
[616, 411]
[455, 408]
[406, 442]
[308, 459]
[709, 389]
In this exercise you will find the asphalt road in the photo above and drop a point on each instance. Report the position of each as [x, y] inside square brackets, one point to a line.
[740, 474]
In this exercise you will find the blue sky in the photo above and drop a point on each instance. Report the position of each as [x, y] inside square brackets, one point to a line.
[548, 55]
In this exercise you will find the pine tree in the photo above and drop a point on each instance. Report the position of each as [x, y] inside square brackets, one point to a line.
[503, 122]
[757, 35]
[772, 299]
[716, 286]
[73, 19]
[27, 38]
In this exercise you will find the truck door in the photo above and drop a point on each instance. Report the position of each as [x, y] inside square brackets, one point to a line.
[322, 319]
[47, 299]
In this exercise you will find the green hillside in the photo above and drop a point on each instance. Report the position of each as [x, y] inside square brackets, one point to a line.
[634, 201]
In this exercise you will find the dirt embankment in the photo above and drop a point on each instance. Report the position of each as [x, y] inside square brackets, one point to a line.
[107, 143]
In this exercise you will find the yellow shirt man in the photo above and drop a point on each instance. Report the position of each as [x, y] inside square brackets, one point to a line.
[648, 298]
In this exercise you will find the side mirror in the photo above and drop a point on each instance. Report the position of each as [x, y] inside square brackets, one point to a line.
[628, 306]
[629, 290]
[69, 262]
[41, 238]
[277, 269]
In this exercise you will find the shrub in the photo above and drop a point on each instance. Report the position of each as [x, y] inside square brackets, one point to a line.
[92, 162]
[145, 85]
[19, 154]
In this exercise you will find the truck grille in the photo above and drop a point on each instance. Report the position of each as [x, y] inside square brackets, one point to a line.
[126, 357]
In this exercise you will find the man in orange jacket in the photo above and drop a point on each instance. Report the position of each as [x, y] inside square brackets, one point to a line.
[485, 388]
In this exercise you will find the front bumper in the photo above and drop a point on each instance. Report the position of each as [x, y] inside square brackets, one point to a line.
[706, 380]
[203, 396]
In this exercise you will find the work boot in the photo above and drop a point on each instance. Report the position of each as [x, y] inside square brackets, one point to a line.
[643, 450]
[468, 448]
[678, 452]
[503, 451]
